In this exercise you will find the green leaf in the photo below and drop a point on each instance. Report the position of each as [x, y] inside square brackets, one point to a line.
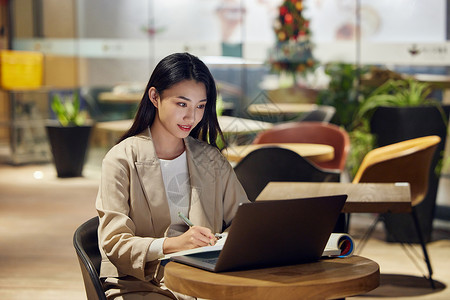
[67, 110]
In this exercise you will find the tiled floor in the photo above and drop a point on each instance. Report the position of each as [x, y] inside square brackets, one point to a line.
[39, 213]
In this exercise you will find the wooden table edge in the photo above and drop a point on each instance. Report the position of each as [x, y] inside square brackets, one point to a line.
[280, 190]
[265, 109]
[320, 157]
[337, 289]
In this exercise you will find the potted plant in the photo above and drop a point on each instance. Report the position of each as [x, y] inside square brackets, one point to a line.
[380, 107]
[398, 110]
[68, 135]
[345, 93]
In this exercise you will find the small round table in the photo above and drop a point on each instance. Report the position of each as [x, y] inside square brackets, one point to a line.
[325, 279]
[281, 108]
[313, 152]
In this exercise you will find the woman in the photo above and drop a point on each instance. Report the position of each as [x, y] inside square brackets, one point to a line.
[168, 162]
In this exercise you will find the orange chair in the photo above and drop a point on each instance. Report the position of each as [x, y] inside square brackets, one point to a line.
[311, 132]
[406, 161]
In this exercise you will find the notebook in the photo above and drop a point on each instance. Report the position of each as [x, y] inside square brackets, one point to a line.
[273, 233]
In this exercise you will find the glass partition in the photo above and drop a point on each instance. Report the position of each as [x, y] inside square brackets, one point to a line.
[107, 49]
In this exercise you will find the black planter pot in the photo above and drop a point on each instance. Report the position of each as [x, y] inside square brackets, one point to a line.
[395, 124]
[69, 146]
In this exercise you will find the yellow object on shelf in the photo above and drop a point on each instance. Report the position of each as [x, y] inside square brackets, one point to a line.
[21, 69]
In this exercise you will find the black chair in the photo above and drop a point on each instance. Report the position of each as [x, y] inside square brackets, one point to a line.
[270, 163]
[85, 241]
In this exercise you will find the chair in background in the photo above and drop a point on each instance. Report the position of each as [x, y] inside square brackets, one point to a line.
[85, 241]
[406, 161]
[268, 164]
[311, 132]
[324, 113]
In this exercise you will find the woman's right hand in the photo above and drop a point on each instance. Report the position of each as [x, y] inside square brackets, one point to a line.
[195, 237]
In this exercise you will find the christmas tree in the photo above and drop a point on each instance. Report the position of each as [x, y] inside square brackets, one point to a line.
[292, 52]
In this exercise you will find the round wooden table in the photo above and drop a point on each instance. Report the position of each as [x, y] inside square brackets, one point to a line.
[120, 98]
[234, 125]
[280, 108]
[325, 279]
[313, 152]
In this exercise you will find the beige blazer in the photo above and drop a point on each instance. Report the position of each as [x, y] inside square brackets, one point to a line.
[133, 207]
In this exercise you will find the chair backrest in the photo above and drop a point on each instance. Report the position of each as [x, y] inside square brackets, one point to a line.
[311, 132]
[324, 113]
[406, 161]
[268, 164]
[85, 241]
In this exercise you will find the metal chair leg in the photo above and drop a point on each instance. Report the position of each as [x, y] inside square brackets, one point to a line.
[367, 234]
[424, 249]
[341, 224]
[347, 222]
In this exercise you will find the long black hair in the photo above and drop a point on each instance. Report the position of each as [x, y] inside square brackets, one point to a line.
[169, 71]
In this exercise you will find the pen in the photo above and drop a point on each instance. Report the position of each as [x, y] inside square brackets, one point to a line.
[189, 223]
[185, 220]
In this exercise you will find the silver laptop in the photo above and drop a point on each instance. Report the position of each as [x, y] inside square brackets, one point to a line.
[273, 233]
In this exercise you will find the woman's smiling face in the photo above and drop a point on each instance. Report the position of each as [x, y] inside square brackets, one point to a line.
[179, 108]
